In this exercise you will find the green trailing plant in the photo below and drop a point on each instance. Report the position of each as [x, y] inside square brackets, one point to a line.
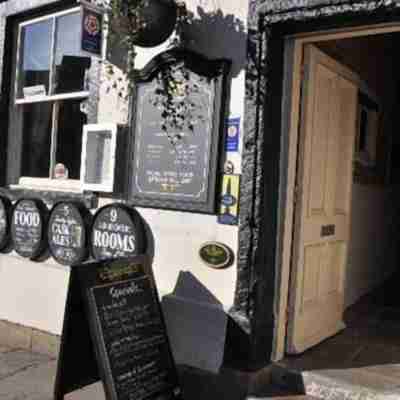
[175, 92]
[175, 96]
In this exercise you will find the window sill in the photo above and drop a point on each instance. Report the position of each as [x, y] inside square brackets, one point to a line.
[50, 194]
[55, 97]
[61, 185]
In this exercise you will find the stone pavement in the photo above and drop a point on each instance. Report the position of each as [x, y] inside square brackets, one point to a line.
[362, 362]
[30, 376]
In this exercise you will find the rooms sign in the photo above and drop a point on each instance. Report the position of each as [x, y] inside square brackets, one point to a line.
[69, 232]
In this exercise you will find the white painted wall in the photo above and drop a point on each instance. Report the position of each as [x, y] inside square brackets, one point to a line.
[33, 294]
[218, 31]
[375, 236]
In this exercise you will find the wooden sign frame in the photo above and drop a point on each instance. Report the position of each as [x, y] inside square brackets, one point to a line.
[215, 73]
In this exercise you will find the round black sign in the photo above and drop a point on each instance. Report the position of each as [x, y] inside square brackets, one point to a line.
[5, 219]
[28, 228]
[67, 233]
[117, 231]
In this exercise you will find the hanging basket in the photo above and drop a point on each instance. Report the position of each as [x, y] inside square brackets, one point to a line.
[150, 24]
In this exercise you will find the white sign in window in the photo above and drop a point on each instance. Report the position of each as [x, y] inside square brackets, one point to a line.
[98, 157]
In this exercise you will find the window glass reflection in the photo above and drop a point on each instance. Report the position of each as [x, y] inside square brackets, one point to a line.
[70, 62]
[37, 123]
[69, 137]
[35, 57]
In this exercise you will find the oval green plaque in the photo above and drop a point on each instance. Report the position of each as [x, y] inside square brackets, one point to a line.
[215, 255]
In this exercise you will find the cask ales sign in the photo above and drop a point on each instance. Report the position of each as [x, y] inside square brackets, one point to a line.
[67, 233]
[117, 232]
[126, 332]
[28, 228]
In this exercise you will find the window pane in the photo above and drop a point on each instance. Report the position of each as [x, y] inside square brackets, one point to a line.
[71, 63]
[37, 121]
[35, 56]
[69, 138]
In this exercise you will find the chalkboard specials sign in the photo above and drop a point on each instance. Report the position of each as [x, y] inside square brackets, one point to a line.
[68, 233]
[114, 330]
[5, 222]
[29, 228]
[175, 155]
[117, 232]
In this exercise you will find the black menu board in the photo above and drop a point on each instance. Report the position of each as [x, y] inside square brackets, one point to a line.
[28, 228]
[175, 153]
[117, 232]
[5, 222]
[127, 330]
[134, 339]
[67, 233]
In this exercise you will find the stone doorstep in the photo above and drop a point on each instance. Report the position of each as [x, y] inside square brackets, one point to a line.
[21, 337]
[294, 397]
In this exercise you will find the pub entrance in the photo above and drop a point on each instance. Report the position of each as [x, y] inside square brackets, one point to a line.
[341, 253]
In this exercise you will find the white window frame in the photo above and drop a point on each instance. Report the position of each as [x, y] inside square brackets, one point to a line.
[49, 183]
[106, 185]
[50, 97]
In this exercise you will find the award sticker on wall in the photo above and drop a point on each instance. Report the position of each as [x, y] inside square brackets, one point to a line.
[233, 134]
[92, 30]
[229, 200]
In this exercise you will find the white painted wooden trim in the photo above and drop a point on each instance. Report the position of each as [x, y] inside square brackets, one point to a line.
[55, 97]
[286, 205]
[36, 99]
[48, 16]
[54, 139]
[345, 33]
[63, 185]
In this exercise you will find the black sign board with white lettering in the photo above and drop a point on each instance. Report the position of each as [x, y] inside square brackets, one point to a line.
[29, 228]
[68, 233]
[117, 232]
[5, 222]
[117, 334]
[178, 131]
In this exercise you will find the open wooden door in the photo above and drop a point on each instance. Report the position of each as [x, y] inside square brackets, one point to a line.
[324, 182]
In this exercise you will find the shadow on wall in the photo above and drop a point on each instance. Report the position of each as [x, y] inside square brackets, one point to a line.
[189, 287]
[211, 34]
[217, 36]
